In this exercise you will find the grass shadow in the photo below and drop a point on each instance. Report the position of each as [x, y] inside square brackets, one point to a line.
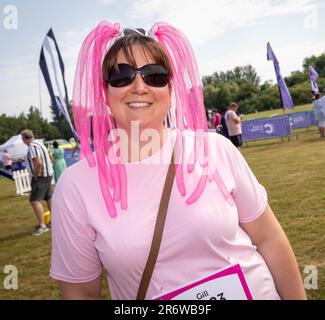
[256, 144]
[16, 236]
[13, 197]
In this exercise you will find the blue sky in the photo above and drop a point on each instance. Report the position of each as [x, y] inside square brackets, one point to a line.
[224, 34]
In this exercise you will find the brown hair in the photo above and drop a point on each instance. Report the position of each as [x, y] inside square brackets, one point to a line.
[233, 104]
[27, 134]
[149, 46]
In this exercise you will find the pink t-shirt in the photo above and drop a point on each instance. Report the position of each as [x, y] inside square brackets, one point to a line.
[233, 128]
[215, 121]
[7, 160]
[198, 239]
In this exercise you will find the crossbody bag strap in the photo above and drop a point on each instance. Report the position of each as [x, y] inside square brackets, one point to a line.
[156, 240]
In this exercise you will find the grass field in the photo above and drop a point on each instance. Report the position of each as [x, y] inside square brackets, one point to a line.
[277, 112]
[292, 172]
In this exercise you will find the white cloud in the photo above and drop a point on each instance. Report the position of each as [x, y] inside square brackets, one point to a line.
[290, 57]
[207, 19]
[105, 1]
[19, 85]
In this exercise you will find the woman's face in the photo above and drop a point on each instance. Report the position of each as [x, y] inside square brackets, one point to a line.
[139, 101]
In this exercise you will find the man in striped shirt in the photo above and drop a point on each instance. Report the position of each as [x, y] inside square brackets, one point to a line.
[40, 167]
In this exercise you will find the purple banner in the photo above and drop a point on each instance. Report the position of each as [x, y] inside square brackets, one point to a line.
[266, 128]
[19, 165]
[69, 158]
[302, 119]
[313, 76]
[285, 96]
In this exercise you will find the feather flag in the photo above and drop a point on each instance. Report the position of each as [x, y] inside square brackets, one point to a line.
[285, 96]
[313, 76]
[52, 68]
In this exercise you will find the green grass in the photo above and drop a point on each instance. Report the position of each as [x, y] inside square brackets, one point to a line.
[276, 112]
[292, 172]
[30, 255]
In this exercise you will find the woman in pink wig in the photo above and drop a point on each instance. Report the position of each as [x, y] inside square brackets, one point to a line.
[138, 98]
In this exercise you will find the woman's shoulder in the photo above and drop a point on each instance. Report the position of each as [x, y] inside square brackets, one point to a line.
[75, 177]
[215, 140]
[220, 149]
[72, 190]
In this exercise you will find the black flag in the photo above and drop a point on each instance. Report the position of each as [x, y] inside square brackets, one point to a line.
[52, 68]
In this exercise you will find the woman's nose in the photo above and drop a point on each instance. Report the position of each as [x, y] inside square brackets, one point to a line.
[138, 85]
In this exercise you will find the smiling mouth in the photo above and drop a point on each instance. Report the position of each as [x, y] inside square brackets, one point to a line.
[138, 105]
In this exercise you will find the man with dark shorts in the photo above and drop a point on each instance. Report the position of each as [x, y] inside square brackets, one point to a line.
[40, 167]
[234, 125]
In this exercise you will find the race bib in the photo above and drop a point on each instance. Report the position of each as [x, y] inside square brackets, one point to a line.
[226, 284]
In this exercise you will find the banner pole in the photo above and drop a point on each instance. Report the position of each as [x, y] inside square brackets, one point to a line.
[39, 92]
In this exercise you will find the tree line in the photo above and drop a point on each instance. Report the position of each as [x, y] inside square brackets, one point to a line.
[33, 120]
[241, 85]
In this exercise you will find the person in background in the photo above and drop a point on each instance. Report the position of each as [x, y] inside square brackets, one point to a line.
[59, 164]
[234, 125]
[209, 115]
[319, 108]
[216, 121]
[40, 167]
[7, 160]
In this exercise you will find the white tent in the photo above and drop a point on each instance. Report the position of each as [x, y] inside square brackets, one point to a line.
[15, 147]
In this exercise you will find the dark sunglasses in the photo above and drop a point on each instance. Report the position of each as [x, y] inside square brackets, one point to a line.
[154, 75]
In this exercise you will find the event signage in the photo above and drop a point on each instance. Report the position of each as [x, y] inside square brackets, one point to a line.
[226, 284]
[302, 119]
[285, 95]
[266, 128]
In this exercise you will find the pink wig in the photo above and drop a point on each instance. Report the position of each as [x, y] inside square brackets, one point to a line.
[92, 114]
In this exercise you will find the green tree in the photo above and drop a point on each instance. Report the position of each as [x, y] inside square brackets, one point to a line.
[246, 90]
[317, 62]
[40, 126]
[301, 93]
[61, 123]
[12, 125]
[216, 96]
[210, 95]
[295, 78]
[247, 73]
[232, 87]
[250, 75]
[206, 80]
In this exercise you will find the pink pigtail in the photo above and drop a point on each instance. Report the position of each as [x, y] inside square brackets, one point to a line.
[89, 107]
[222, 187]
[123, 186]
[179, 160]
[198, 190]
[188, 97]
